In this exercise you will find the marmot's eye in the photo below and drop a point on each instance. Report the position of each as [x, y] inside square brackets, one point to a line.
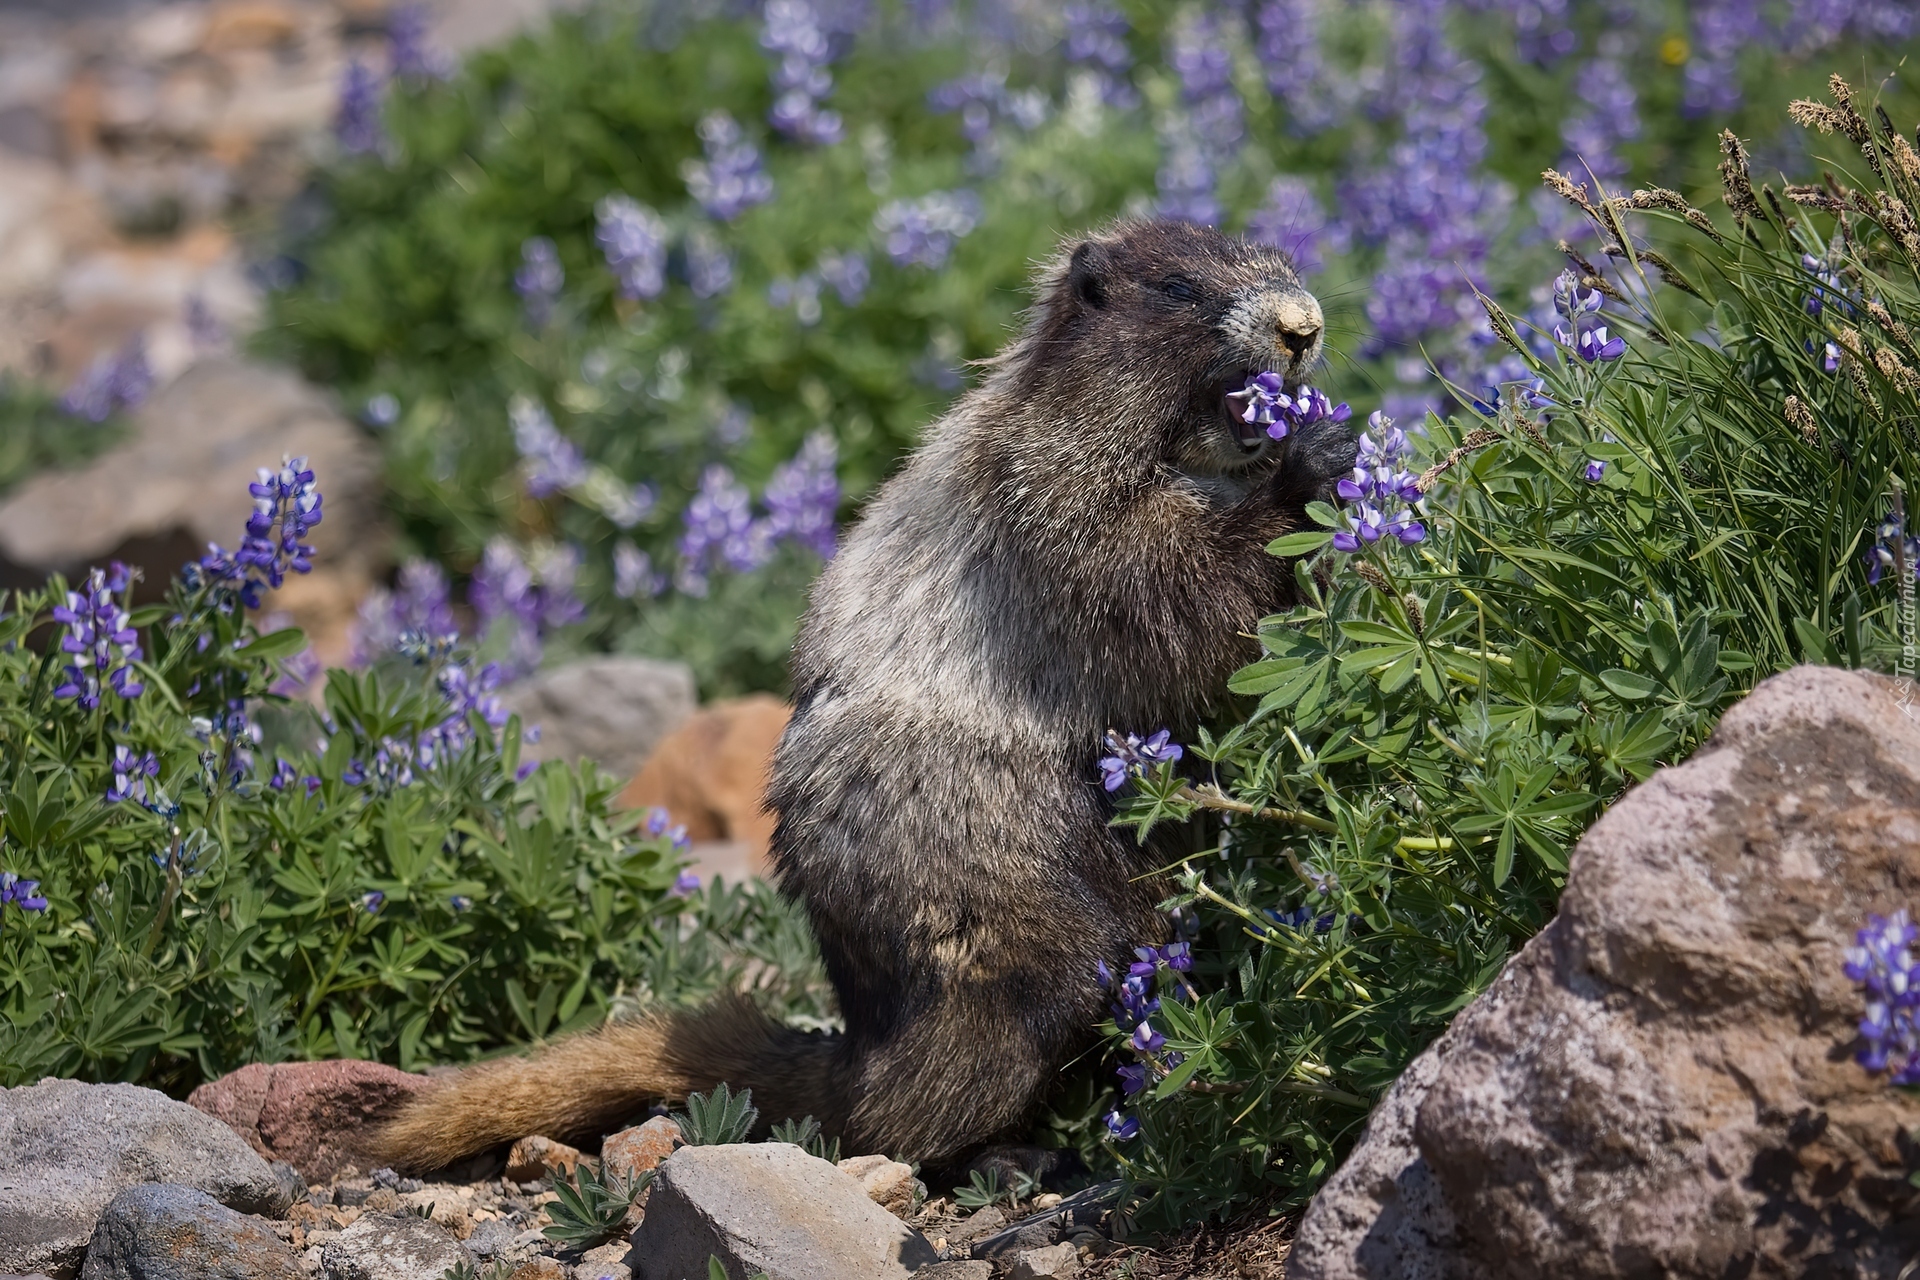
[1179, 287]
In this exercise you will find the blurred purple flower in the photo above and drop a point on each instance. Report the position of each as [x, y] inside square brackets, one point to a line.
[119, 379]
[793, 31]
[357, 126]
[922, 232]
[553, 462]
[539, 279]
[803, 496]
[634, 240]
[731, 179]
[1096, 39]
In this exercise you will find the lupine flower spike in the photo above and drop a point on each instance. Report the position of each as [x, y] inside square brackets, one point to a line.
[102, 640]
[1381, 492]
[1881, 960]
[1265, 401]
[1130, 756]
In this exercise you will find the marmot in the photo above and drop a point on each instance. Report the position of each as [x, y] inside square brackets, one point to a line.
[1078, 546]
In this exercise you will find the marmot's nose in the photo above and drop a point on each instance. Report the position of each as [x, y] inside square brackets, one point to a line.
[1297, 341]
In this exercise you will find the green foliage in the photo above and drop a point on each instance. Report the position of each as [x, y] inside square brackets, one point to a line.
[718, 1118]
[383, 880]
[805, 1134]
[592, 1207]
[1437, 724]
[35, 433]
[983, 1189]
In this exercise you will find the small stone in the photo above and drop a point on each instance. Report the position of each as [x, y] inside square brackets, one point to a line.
[970, 1269]
[888, 1183]
[981, 1222]
[534, 1158]
[769, 1206]
[67, 1149]
[640, 1149]
[540, 1268]
[608, 1262]
[1038, 1264]
[162, 1231]
[442, 1205]
[378, 1247]
[381, 1200]
[491, 1240]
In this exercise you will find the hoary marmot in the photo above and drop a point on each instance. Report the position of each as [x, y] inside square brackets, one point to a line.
[1078, 546]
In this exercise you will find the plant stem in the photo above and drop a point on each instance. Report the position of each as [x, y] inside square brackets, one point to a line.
[1208, 796]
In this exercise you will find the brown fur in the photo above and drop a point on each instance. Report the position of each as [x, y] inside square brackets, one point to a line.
[1078, 546]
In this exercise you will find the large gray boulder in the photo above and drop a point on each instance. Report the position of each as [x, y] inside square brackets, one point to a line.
[161, 1231]
[614, 710]
[769, 1206]
[180, 479]
[67, 1149]
[1661, 1082]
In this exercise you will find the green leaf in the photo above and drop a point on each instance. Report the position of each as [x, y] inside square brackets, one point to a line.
[1815, 645]
[1298, 544]
[1630, 686]
[275, 645]
[1325, 516]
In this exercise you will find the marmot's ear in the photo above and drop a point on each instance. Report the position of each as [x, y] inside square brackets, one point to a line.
[1086, 275]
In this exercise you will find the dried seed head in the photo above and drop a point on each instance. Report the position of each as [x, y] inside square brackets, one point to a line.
[1415, 614]
[1501, 324]
[1669, 272]
[1658, 198]
[1564, 187]
[1904, 158]
[1371, 575]
[1735, 180]
[1478, 438]
[1895, 370]
[1800, 418]
[1809, 114]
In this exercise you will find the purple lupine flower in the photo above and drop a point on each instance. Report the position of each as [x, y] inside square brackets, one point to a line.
[284, 774]
[286, 506]
[1829, 288]
[553, 462]
[100, 635]
[719, 524]
[1581, 327]
[1184, 181]
[923, 232]
[633, 573]
[1592, 344]
[1264, 400]
[357, 125]
[658, 820]
[119, 379]
[22, 893]
[409, 51]
[685, 885]
[1881, 960]
[731, 179]
[459, 902]
[802, 294]
[634, 240]
[846, 274]
[381, 410]
[1134, 1077]
[1146, 1040]
[1596, 470]
[1608, 115]
[130, 774]
[1130, 755]
[1722, 29]
[1381, 511]
[1288, 47]
[709, 268]
[1293, 221]
[526, 600]
[794, 33]
[1890, 548]
[1096, 40]
[1830, 358]
[539, 279]
[1178, 956]
[419, 605]
[1121, 1127]
[372, 900]
[803, 496]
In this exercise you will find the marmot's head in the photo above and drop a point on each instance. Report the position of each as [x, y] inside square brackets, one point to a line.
[1143, 329]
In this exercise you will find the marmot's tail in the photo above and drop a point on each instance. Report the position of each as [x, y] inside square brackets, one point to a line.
[590, 1084]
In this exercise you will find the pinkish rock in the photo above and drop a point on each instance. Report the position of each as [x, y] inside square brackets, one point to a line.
[536, 1157]
[638, 1150]
[1662, 1083]
[310, 1114]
